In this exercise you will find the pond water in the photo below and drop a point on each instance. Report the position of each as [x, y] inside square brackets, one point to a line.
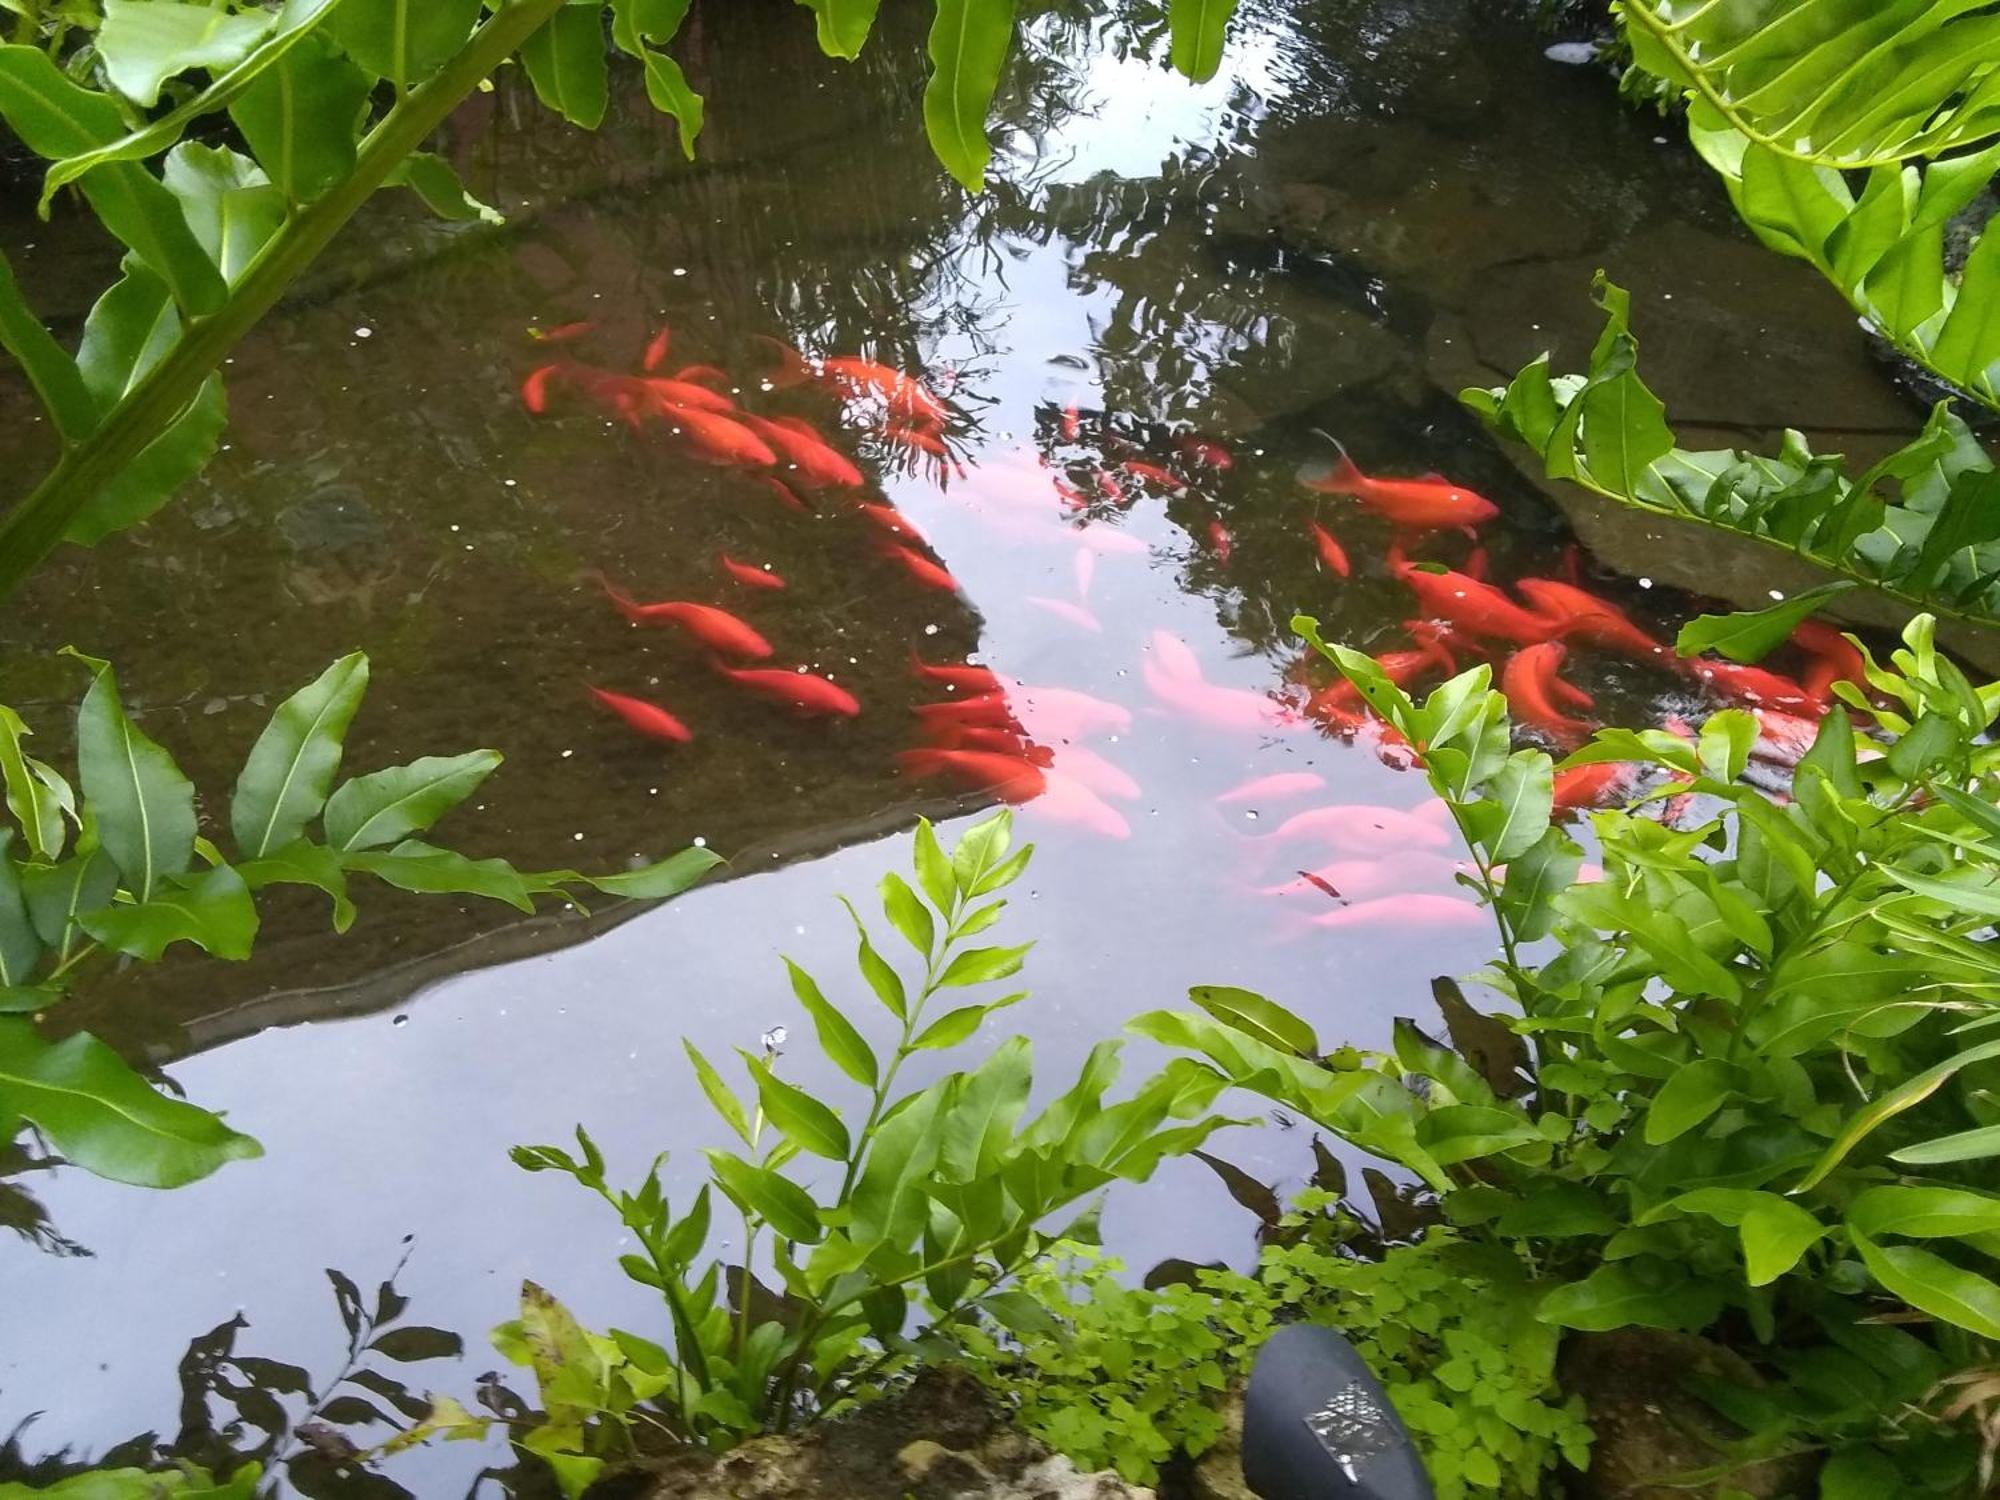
[1377, 203]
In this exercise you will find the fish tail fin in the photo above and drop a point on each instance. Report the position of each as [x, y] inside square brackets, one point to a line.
[920, 762]
[1397, 559]
[1338, 476]
[792, 368]
[627, 605]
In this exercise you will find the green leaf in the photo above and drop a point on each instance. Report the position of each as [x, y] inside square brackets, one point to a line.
[1624, 428]
[1195, 30]
[978, 1124]
[933, 868]
[231, 205]
[102, 1116]
[1689, 1097]
[724, 1102]
[404, 41]
[212, 910]
[299, 116]
[1934, 1285]
[1513, 814]
[20, 944]
[1969, 342]
[666, 85]
[800, 1118]
[59, 894]
[1534, 879]
[429, 870]
[1751, 635]
[843, 24]
[285, 782]
[906, 913]
[303, 863]
[434, 180]
[56, 118]
[968, 45]
[980, 852]
[888, 1202]
[783, 1204]
[1907, 1095]
[837, 1037]
[1966, 1145]
[34, 802]
[1922, 1213]
[173, 458]
[47, 365]
[1249, 1012]
[144, 805]
[1631, 1294]
[130, 330]
[1859, 1473]
[565, 63]
[954, 1026]
[662, 879]
[1776, 1234]
[1726, 741]
[385, 806]
[145, 42]
[882, 979]
[978, 965]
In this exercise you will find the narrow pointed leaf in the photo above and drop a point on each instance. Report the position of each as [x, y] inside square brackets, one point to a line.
[968, 44]
[144, 805]
[386, 806]
[290, 771]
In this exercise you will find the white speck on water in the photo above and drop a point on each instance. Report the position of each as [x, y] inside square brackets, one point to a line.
[680, 270]
[652, 791]
[567, 754]
[699, 842]
[578, 837]
[799, 931]
[1645, 583]
[1251, 814]
[364, 332]
[510, 483]
[1777, 594]
[454, 525]
[930, 630]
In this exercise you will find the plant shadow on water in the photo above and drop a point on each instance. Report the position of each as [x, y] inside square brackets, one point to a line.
[1349, 224]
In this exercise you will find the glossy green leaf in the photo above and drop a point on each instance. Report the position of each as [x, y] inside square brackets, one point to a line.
[231, 205]
[303, 863]
[20, 944]
[1905, 1096]
[838, 1039]
[663, 878]
[212, 909]
[783, 1204]
[1934, 1285]
[144, 805]
[145, 42]
[565, 63]
[843, 24]
[130, 330]
[882, 979]
[428, 870]
[889, 1201]
[1689, 1097]
[1922, 1213]
[1776, 1234]
[162, 468]
[979, 965]
[285, 782]
[1752, 635]
[907, 914]
[299, 117]
[1969, 342]
[106, 1119]
[800, 1118]
[46, 363]
[955, 1026]
[1965, 1145]
[1535, 877]
[433, 179]
[35, 804]
[55, 118]
[59, 894]
[668, 90]
[1252, 1014]
[978, 1124]
[724, 1102]
[1725, 743]
[404, 41]
[385, 806]
[1513, 814]
[933, 869]
[968, 45]
[1627, 1294]
[1195, 29]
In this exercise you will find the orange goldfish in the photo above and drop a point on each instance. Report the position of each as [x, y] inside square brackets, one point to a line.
[1005, 776]
[656, 350]
[1532, 686]
[1330, 551]
[1432, 503]
[716, 629]
[930, 574]
[812, 696]
[648, 719]
[756, 578]
[816, 463]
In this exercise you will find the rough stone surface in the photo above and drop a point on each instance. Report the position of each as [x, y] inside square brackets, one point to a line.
[940, 1440]
[1650, 1427]
[1218, 1474]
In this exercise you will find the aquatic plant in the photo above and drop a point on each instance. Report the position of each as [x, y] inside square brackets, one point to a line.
[335, 100]
[933, 1202]
[1131, 1377]
[1750, 1093]
[1922, 525]
[115, 865]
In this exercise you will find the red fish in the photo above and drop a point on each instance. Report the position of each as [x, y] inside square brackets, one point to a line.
[791, 369]
[966, 677]
[1533, 687]
[717, 439]
[1585, 617]
[1220, 539]
[930, 574]
[1062, 609]
[903, 396]
[535, 389]
[890, 520]
[1475, 564]
[1072, 424]
[986, 737]
[562, 333]
[756, 578]
[1752, 684]
[656, 350]
[783, 491]
[1273, 788]
[1330, 551]
[1400, 667]
[716, 629]
[648, 719]
[1005, 776]
[987, 710]
[815, 463]
[708, 375]
[1834, 658]
[1138, 468]
[1591, 786]
[1479, 607]
[1073, 498]
[1429, 504]
[1109, 487]
[917, 439]
[1210, 455]
[811, 696]
[671, 396]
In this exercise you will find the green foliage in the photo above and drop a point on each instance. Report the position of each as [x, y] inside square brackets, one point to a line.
[1923, 524]
[116, 865]
[933, 1203]
[185, 1483]
[1740, 1098]
[1130, 1377]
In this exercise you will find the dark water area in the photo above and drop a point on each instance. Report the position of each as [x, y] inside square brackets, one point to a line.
[1374, 205]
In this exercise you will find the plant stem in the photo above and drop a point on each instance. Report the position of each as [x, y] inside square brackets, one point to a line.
[34, 527]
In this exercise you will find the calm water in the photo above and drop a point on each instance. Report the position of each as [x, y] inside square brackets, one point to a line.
[1374, 205]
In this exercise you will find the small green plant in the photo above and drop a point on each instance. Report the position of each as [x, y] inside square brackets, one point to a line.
[116, 865]
[1130, 1377]
[1751, 1093]
[933, 1204]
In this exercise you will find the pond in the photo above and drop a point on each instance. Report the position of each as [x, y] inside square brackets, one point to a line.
[1140, 335]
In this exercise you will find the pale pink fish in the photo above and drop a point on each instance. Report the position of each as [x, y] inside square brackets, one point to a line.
[1365, 879]
[1052, 713]
[1411, 909]
[1086, 572]
[1095, 772]
[1062, 609]
[1109, 541]
[1217, 707]
[1068, 800]
[1175, 657]
[1273, 788]
[1437, 813]
[1018, 526]
[1360, 828]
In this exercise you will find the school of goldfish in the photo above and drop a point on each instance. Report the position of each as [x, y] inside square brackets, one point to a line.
[994, 736]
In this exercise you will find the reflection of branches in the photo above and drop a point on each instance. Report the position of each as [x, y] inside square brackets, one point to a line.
[21, 1211]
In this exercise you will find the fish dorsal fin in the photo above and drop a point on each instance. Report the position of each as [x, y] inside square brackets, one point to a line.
[1431, 476]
